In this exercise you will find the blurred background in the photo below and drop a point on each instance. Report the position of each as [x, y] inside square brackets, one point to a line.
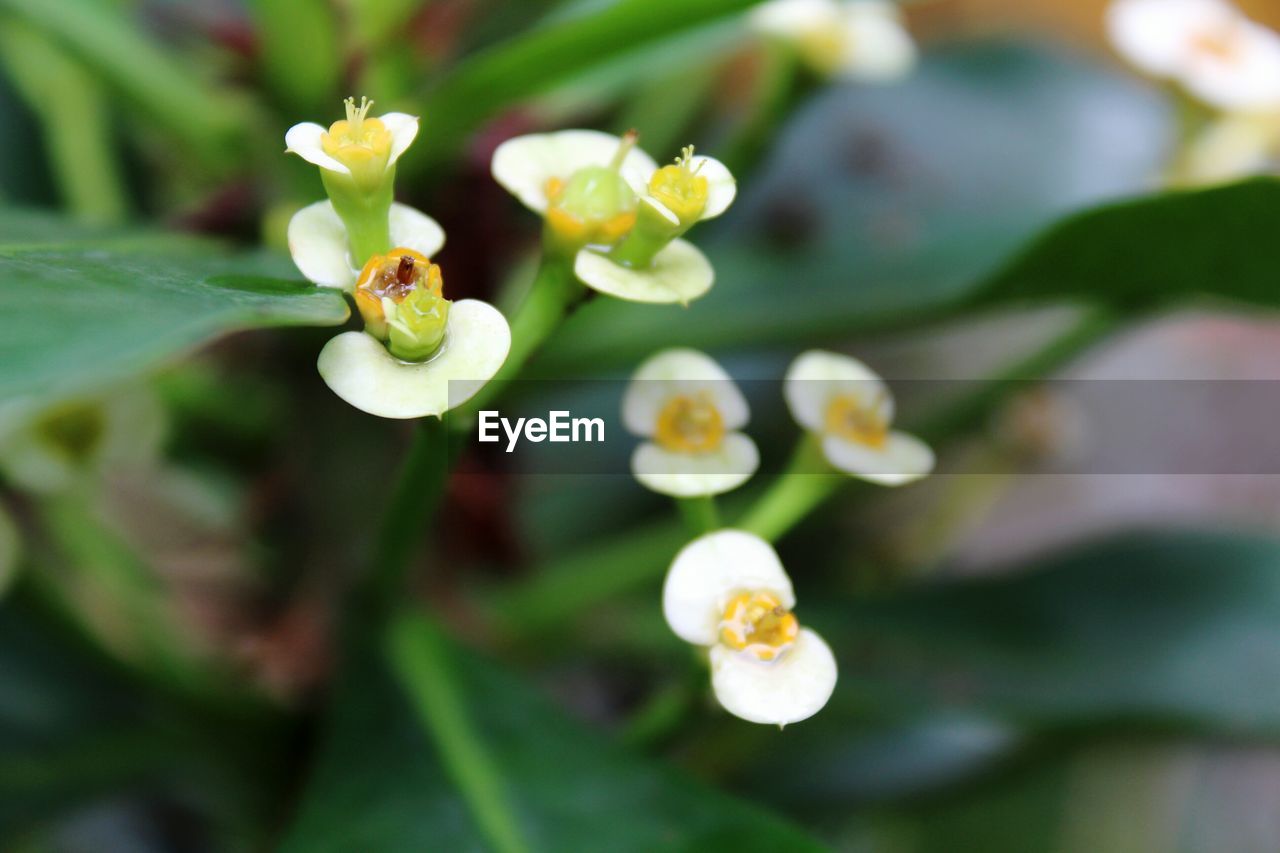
[1035, 654]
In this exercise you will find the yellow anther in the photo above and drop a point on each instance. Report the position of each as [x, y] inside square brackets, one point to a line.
[758, 624]
[680, 188]
[849, 418]
[688, 424]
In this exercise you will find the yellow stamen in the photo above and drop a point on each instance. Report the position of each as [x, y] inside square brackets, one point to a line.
[849, 418]
[358, 142]
[394, 276]
[689, 424]
[758, 624]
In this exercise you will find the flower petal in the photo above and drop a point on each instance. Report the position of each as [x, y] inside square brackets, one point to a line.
[403, 128]
[877, 45]
[1154, 34]
[680, 371]
[689, 475]
[721, 186]
[711, 569]
[523, 165]
[815, 376]
[413, 229]
[680, 273]
[359, 369]
[319, 247]
[787, 690]
[304, 140]
[903, 458]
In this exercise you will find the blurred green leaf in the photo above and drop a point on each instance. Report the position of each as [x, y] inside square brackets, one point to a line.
[301, 52]
[883, 206]
[80, 308]
[1150, 252]
[531, 63]
[380, 784]
[103, 38]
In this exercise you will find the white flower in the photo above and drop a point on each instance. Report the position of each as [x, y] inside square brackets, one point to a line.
[1218, 54]
[360, 370]
[728, 590]
[358, 146]
[850, 408]
[854, 40]
[536, 167]
[320, 249]
[54, 448]
[691, 411]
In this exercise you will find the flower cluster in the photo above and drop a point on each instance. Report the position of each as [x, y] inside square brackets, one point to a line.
[419, 354]
[689, 411]
[1222, 59]
[607, 205]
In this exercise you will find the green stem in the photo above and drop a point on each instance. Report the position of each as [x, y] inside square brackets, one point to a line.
[700, 514]
[418, 491]
[417, 653]
[554, 293]
[802, 488]
[782, 84]
[366, 214]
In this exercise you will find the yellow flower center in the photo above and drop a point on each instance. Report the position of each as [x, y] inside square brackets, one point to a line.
[595, 204]
[823, 48]
[849, 418]
[358, 142]
[758, 624]
[1221, 42]
[680, 188]
[690, 424]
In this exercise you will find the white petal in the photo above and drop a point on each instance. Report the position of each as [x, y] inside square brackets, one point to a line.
[304, 140]
[680, 273]
[403, 128]
[1154, 35]
[361, 371]
[877, 45]
[903, 458]
[709, 571]
[1231, 148]
[523, 165]
[787, 690]
[688, 475]
[1246, 79]
[816, 376]
[674, 372]
[413, 229]
[721, 186]
[319, 247]
[793, 18]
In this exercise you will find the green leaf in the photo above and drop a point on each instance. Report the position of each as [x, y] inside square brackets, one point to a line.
[381, 783]
[860, 221]
[1150, 252]
[81, 308]
[531, 63]
[1162, 630]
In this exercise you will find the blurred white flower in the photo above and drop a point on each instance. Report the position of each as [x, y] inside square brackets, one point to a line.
[419, 354]
[728, 591]
[54, 448]
[691, 413]
[850, 409]
[360, 146]
[1215, 52]
[321, 250]
[854, 40]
